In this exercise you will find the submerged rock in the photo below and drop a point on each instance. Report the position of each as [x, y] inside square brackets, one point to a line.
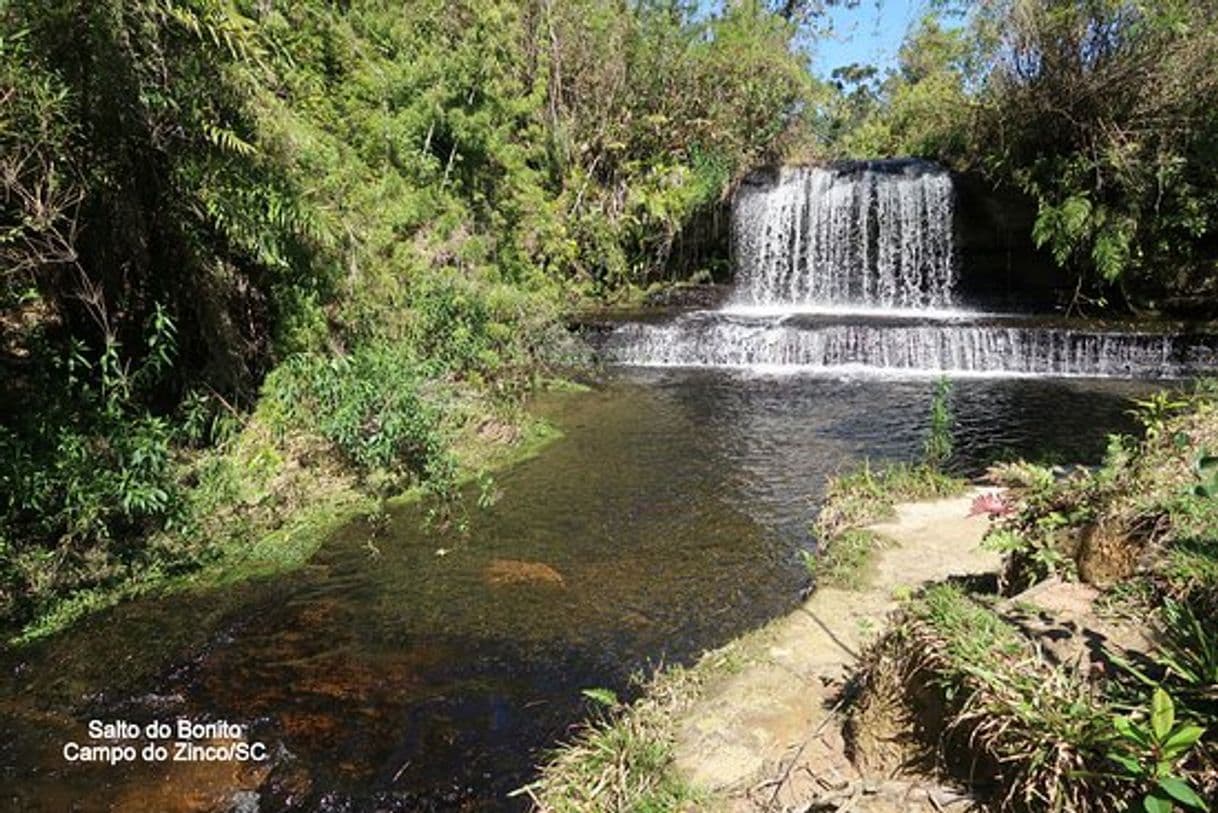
[515, 571]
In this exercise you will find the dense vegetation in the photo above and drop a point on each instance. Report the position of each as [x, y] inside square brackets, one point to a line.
[260, 262]
[246, 240]
[1129, 725]
[1103, 111]
[253, 248]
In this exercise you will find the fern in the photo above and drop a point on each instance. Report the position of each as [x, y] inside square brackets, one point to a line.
[228, 141]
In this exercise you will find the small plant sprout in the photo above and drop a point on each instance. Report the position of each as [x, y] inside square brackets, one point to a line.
[606, 698]
[1149, 753]
[937, 448]
[1154, 411]
[1205, 466]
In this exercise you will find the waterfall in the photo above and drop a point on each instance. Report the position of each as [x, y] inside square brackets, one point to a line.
[708, 340]
[874, 240]
[876, 235]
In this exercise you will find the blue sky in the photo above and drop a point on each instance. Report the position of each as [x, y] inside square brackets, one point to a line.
[870, 33]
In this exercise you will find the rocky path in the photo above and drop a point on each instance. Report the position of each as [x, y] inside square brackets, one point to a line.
[765, 736]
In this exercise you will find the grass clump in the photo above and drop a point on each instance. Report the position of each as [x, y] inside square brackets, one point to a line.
[993, 712]
[623, 759]
[845, 548]
[847, 563]
[870, 495]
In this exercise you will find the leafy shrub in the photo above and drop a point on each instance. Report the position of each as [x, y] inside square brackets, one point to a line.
[477, 331]
[1185, 658]
[1029, 559]
[1149, 752]
[369, 405]
[85, 479]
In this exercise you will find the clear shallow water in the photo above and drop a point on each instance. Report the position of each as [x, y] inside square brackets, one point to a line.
[672, 512]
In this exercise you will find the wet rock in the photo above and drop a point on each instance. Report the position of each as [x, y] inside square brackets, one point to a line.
[244, 801]
[689, 296]
[515, 571]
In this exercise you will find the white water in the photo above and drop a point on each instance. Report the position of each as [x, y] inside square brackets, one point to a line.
[786, 311]
[852, 270]
[766, 345]
[822, 237]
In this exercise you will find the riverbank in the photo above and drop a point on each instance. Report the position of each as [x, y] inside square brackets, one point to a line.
[752, 722]
[278, 504]
[764, 735]
[1057, 655]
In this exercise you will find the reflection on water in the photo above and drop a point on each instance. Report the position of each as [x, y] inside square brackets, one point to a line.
[387, 675]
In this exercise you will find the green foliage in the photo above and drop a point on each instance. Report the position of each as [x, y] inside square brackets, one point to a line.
[1100, 111]
[481, 333]
[39, 196]
[843, 561]
[1097, 110]
[1205, 465]
[87, 476]
[1188, 652]
[1040, 558]
[1155, 410]
[606, 698]
[844, 548]
[654, 112]
[171, 200]
[937, 448]
[623, 758]
[1149, 752]
[920, 109]
[1025, 477]
[1043, 725]
[383, 207]
[368, 405]
[1119, 199]
[1190, 565]
[972, 633]
[1041, 537]
[1162, 481]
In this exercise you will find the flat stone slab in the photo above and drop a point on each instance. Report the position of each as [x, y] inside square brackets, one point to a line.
[769, 716]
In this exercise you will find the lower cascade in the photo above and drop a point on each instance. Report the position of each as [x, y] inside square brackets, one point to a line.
[851, 268]
[708, 339]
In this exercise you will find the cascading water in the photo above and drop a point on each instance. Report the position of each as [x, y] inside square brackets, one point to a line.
[852, 268]
[821, 237]
[712, 340]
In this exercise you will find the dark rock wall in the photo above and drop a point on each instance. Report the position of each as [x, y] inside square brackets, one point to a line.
[1000, 266]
